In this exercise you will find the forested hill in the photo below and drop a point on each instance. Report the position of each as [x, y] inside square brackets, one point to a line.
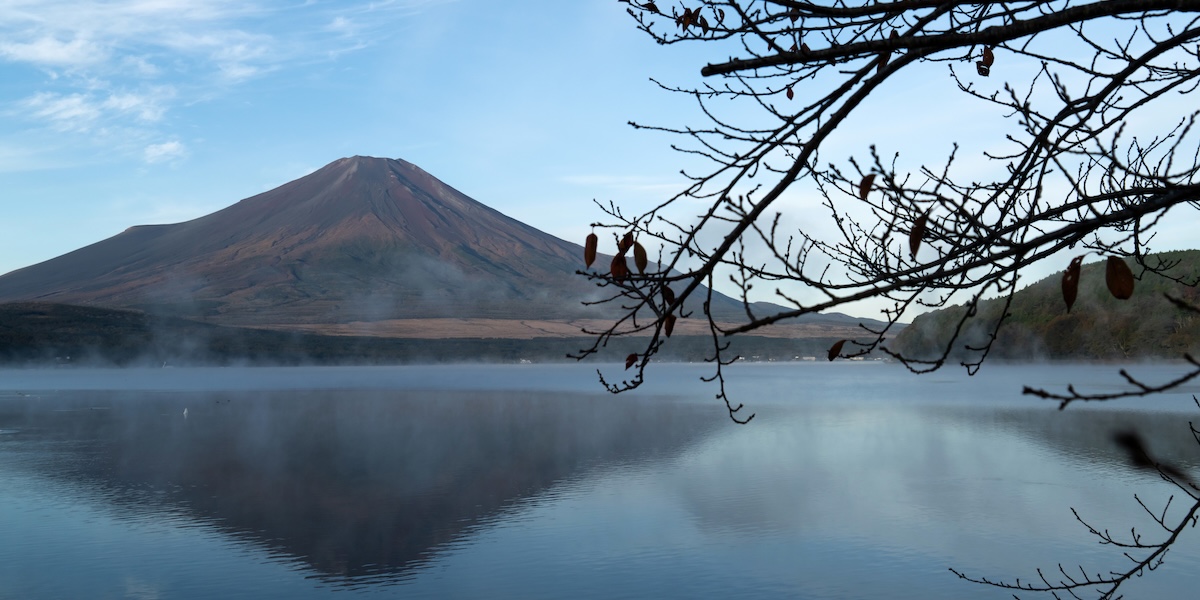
[1098, 327]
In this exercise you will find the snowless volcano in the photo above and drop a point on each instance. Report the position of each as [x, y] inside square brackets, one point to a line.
[362, 245]
[361, 239]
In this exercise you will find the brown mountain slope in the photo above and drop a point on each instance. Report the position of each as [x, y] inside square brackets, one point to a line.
[360, 240]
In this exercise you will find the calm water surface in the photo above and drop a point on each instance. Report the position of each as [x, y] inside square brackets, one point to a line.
[854, 481]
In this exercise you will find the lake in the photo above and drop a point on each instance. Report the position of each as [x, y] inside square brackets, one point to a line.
[855, 480]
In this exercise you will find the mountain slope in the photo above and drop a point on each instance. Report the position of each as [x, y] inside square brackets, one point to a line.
[1098, 326]
[360, 240]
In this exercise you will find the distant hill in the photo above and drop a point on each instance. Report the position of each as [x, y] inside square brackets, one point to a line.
[363, 245]
[1099, 327]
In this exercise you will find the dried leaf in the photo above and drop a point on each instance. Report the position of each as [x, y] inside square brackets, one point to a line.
[704, 24]
[669, 324]
[917, 234]
[650, 6]
[804, 48]
[1070, 281]
[630, 361]
[790, 93]
[988, 57]
[794, 15]
[626, 243]
[1119, 278]
[589, 249]
[619, 268]
[836, 349]
[668, 295]
[639, 257]
[864, 187]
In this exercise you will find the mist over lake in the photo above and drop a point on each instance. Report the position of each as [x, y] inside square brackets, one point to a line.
[855, 480]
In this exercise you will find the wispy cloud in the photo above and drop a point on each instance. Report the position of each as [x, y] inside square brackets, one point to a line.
[72, 112]
[166, 151]
[52, 52]
[126, 64]
[86, 111]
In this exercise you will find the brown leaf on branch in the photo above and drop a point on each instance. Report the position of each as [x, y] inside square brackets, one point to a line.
[917, 234]
[619, 268]
[669, 324]
[864, 186]
[640, 260]
[650, 6]
[1070, 281]
[630, 361]
[790, 93]
[836, 349]
[626, 243]
[668, 295]
[988, 57]
[589, 249]
[1119, 278]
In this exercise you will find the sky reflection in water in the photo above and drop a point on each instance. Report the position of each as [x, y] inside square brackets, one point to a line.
[853, 481]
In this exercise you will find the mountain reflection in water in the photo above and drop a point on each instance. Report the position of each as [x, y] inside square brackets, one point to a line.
[354, 483]
[854, 481]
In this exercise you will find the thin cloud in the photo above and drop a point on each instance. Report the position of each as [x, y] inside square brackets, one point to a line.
[74, 112]
[52, 52]
[83, 112]
[166, 151]
[123, 65]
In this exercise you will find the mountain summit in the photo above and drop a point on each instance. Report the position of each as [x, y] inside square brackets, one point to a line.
[361, 239]
[363, 246]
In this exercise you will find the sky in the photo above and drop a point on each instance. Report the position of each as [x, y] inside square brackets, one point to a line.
[133, 112]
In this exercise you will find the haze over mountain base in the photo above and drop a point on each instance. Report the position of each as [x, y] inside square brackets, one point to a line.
[361, 247]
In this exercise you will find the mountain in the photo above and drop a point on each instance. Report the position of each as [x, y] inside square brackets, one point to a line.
[360, 241]
[1098, 327]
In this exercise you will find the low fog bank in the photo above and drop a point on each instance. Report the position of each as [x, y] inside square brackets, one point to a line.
[33, 334]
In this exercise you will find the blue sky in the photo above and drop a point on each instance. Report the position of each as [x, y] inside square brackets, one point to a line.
[133, 112]
[158, 111]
